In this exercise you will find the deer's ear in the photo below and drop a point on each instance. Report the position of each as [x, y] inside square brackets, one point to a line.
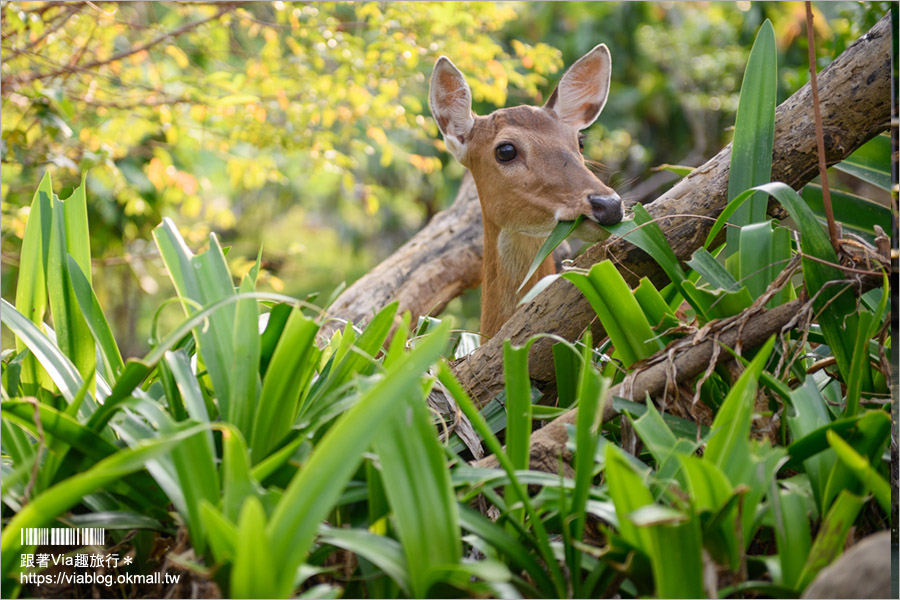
[582, 91]
[451, 106]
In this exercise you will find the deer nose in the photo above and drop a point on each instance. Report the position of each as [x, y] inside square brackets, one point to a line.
[607, 208]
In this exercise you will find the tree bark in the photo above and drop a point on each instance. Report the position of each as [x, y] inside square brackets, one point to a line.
[855, 103]
[438, 264]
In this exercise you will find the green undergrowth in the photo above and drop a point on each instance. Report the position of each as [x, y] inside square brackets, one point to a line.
[303, 465]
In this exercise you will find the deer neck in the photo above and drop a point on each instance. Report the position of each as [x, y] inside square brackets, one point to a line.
[507, 257]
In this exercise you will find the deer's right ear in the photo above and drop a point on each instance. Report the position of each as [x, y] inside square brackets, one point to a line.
[451, 106]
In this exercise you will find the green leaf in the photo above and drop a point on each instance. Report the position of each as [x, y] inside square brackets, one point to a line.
[713, 498]
[57, 365]
[518, 412]
[451, 383]
[717, 304]
[418, 489]
[673, 533]
[807, 420]
[620, 313]
[244, 372]
[69, 236]
[188, 387]
[629, 492]
[855, 213]
[832, 535]
[383, 552]
[859, 362]
[194, 464]
[222, 533]
[647, 235]
[766, 252]
[31, 288]
[57, 425]
[566, 365]
[353, 356]
[59, 498]
[680, 170]
[316, 487]
[287, 378]
[592, 391]
[859, 465]
[16, 443]
[754, 133]
[510, 546]
[237, 482]
[661, 442]
[833, 303]
[868, 439]
[871, 162]
[275, 323]
[712, 271]
[96, 321]
[137, 370]
[725, 216]
[682, 428]
[253, 572]
[657, 311]
[729, 447]
[562, 230]
[203, 280]
[118, 519]
[792, 533]
[816, 440]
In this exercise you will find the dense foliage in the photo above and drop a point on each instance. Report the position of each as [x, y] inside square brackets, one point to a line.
[270, 463]
[305, 126]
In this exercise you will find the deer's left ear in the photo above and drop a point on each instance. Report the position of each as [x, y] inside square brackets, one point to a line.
[582, 91]
[451, 106]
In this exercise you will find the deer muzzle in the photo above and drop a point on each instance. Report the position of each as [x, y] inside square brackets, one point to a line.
[606, 208]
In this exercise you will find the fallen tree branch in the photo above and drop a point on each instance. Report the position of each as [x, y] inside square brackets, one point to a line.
[692, 356]
[434, 267]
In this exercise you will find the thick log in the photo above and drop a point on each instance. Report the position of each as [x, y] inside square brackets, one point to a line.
[438, 264]
[855, 103]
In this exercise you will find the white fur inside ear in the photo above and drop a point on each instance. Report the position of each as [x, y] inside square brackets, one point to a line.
[451, 105]
[583, 90]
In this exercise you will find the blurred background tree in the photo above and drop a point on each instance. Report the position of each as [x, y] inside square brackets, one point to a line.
[304, 127]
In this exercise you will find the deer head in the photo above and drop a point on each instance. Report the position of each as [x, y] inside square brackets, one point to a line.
[529, 171]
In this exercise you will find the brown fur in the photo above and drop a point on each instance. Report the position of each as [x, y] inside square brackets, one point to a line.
[524, 198]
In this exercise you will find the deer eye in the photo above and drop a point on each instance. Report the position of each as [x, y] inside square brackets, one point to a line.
[581, 142]
[505, 152]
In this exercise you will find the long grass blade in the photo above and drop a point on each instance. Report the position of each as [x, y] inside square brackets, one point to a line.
[754, 134]
[64, 495]
[96, 321]
[418, 489]
[316, 487]
[31, 287]
[59, 368]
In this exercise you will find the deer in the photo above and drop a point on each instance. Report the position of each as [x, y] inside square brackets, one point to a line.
[529, 172]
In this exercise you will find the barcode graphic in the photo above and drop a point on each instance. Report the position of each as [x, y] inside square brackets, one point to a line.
[59, 536]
